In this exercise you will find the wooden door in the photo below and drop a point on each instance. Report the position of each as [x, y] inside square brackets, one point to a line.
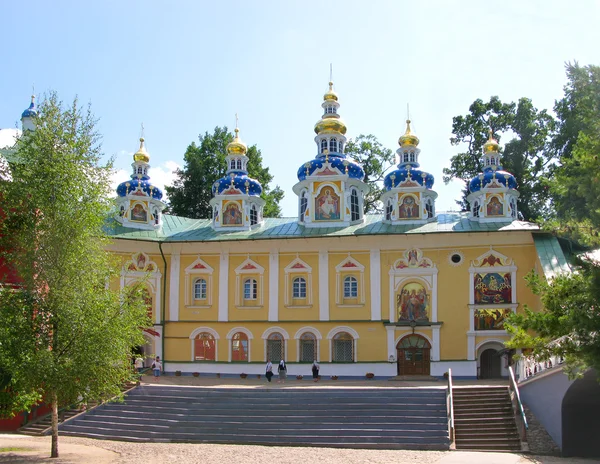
[413, 354]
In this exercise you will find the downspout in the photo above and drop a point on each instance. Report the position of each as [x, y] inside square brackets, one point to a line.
[163, 303]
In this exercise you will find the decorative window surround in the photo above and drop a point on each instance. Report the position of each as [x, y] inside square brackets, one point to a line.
[349, 267]
[298, 268]
[198, 269]
[141, 268]
[413, 267]
[215, 335]
[230, 335]
[318, 338]
[333, 332]
[286, 337]
[248, 270]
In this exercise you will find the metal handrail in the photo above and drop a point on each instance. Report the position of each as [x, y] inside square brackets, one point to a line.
[450, 411]
[517, 397]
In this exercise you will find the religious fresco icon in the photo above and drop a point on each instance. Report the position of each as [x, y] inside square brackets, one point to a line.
[412, 303]
[495, 207]
[490, 319]
[138, 213]
[408, 208]
[327, 205]
[492, 288]
[232, 216]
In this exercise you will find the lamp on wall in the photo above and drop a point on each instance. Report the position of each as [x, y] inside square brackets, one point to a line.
[413, 324]
[392, 359]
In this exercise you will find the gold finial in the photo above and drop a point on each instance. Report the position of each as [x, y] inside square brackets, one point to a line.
[236, 146]
[307, 166]
[142, 154]
[491, 146]
[346, 163]
[326, 151]
[247, 184]
[408, 138]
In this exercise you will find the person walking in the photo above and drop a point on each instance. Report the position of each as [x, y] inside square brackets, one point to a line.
[156, 368]
[315, 371]
[282, 370]
[269, 372]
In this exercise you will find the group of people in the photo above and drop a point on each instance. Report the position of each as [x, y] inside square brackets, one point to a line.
[282, 371]
[156, 366]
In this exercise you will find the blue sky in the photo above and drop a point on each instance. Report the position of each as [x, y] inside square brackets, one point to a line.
[184, 67]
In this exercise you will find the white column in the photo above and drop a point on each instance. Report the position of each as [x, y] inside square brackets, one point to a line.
[471, 347]
[274, 286]
[391, 349]
[174, 286]
[434, 300]
[435, 349]
[223, 315]
[375, 272]
[323, 286]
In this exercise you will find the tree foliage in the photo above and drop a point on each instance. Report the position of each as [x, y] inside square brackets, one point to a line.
[569, 326]
[65, 336]
[527, 155]
[204, 164]
[375, 159]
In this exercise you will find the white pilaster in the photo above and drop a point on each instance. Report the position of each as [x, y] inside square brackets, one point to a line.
[391, 349]
[375, 272]
[324, 287]
[158, 343]
[174, 286]
[223, 315]
[274, 286]
[471, 347]
[435, 349]
[434, 300]
[157, 304]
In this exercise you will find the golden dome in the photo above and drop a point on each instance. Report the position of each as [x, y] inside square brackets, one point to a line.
[408, 138]
[330, 95]
[491, 146]
[236, 146]
[330, 124]
[141, 154]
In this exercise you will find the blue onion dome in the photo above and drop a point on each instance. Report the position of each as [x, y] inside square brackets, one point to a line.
[338, 161]
[400, 175]
[492, 174]
[31, 111]
[131, 187]
[237, 182]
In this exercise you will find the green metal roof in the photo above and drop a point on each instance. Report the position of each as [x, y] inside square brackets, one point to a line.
[180, 229]
[551, 255]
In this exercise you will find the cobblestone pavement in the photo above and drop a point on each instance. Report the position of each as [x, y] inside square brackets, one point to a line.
[74, 450]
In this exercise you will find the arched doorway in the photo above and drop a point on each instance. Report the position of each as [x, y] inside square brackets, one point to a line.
[490, 364]
[413, 355]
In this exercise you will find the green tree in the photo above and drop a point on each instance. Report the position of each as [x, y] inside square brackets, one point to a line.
[204, 164]
[375, 159]
[65, 335]
[527, 155]
[569, 326]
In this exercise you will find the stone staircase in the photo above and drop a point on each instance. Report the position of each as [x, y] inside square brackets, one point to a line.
[383, 418]
[484, 419]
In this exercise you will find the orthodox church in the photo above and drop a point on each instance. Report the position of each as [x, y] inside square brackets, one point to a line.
[408, 292]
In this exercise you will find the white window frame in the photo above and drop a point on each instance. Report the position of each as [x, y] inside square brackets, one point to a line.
[198, 269]
[249, 269]
[297, 266]
[349, 267]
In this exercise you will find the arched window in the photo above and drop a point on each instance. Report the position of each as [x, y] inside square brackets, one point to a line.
[253, 215]
[487, 161]
[275, 348]
[156, 217]
[429, 209]
[299, 287]
[239, 164]
[476, 209]
[333, 145]
[139, 170]
[204, 347]
[250, 289]
[239, 347]
[406, 157]
[350, 287]
[412, 156]
[323, 145]
[493, 159]
[232, 164]
[389, 209]
[343, 347]
[303, 205]
[200, 289]
[354, 209]
[308, 347]
[513, 208]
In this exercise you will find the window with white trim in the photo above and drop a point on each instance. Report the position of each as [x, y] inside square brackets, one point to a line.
[389, 209]
[323, 145]
[205, 347]
[239, 347]
[275, 347]
[342, 348]
[299, 287]
[350, 287]
[250, 289]
[333, 145]
[308, 347]
[253, 215]
[200, 289]
[476, 209]
[412, 157]
[354, 206]
[303, 205]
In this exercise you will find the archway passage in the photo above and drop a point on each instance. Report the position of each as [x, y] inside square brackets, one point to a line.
[413, 355]
[490, 364]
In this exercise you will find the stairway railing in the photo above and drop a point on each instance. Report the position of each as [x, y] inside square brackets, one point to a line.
[450, 411]
[518, 410]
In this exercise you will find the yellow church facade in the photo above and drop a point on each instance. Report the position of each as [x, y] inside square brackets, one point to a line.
[407, 292]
